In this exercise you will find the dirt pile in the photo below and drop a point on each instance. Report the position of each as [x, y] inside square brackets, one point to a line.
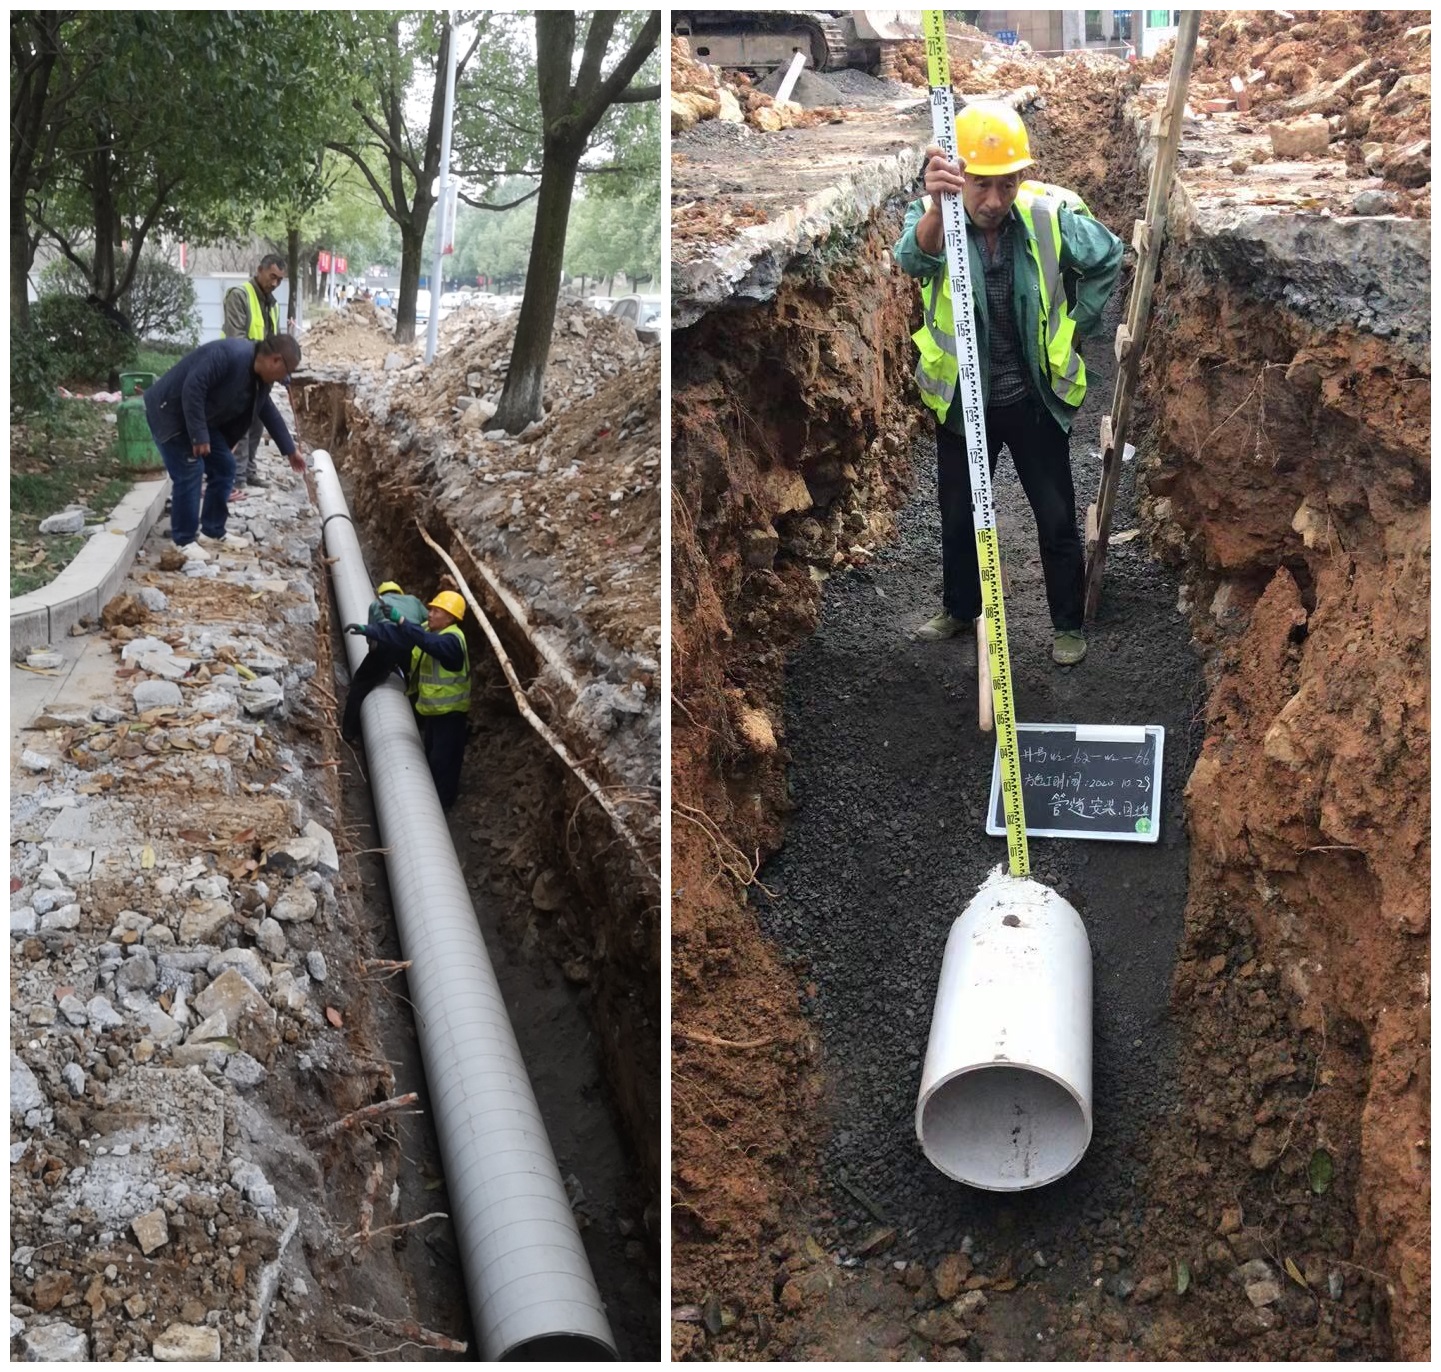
[357, 333]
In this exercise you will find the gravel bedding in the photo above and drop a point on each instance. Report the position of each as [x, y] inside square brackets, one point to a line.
[859, 88]
[891, 776]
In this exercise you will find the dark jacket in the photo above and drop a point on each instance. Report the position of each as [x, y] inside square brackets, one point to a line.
[446, 649]
[214, 388]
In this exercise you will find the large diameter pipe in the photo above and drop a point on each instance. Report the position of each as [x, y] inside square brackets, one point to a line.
[532, 1294]
[1005, 1100]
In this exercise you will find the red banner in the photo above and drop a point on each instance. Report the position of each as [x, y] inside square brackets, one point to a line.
[323, 262]
[340, 265]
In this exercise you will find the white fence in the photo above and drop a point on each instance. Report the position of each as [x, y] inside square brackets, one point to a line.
[210, 300]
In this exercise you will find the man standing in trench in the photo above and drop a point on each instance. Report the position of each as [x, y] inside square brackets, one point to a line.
[252, 311]
[439, 682]
[1041, 269]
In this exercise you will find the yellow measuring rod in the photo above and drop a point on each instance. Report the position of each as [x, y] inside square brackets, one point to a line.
[968, 396]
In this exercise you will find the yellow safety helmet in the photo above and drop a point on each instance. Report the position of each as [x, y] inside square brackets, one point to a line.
[388, 586]
[450, 602]
[991, 139]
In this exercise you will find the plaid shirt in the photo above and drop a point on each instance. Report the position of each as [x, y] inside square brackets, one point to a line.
[1008, 364]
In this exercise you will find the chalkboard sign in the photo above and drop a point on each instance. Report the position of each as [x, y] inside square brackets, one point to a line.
[1086, 781]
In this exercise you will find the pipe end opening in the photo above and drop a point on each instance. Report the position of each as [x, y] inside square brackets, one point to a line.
[1003, 1128]
[560, 1348]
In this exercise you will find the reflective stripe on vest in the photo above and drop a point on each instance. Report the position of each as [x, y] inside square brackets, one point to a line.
[937, 370]
[258, 316]
[441, 692]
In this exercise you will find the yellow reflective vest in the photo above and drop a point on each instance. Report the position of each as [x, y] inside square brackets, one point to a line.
[438, 691]
[260, 317]
[1053, 349]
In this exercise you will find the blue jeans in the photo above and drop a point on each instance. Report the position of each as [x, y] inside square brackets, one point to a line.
[189, 514]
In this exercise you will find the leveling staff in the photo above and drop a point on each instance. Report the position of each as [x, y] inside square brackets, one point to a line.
[1048, 268]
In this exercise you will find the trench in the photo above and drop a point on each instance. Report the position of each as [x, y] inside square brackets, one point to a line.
[544, 895]
[810, 728]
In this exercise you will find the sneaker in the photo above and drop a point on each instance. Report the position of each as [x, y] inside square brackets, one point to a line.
[1069, 647]
[194, 552]
[942, 626]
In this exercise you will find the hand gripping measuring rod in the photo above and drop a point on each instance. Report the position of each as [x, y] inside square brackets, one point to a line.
[968, 396]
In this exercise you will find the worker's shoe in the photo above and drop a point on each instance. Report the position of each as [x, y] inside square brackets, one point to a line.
[1069, 647]
[942, 626]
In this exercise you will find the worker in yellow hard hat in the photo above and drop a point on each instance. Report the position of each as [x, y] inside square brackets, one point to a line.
[390, 606]
[439, 684]
[1042, 268]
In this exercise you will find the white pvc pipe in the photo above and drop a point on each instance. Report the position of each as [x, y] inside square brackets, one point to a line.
[531, 1290]
[791, 77]
[1005, 1101]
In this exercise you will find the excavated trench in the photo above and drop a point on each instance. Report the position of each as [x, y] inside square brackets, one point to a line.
[1261, 999]
[553, 901]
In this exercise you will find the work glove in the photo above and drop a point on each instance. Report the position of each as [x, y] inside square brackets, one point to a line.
[392, 613]
[362, 629]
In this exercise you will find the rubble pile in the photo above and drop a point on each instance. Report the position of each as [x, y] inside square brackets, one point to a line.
[1332, 82]
[170, 893]
[698, 92]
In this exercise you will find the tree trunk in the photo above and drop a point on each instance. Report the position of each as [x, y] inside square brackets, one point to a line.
[411, 245]
[292, 260]
[22, 254]
[520, 403]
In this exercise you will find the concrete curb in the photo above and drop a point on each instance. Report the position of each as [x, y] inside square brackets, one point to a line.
[93, 575]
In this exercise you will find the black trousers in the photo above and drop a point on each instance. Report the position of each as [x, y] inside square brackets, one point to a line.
[444, 740]
[1041, 450]
[377, 664]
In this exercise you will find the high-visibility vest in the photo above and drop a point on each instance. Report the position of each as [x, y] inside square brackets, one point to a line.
[260, 316]
[937, 370]
[438, 691]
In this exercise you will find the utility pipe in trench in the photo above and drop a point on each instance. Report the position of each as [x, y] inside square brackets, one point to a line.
[532, 1293]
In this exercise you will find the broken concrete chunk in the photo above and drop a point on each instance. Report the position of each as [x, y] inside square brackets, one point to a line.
[25, 1092]
[187, 1343]
[246, 961]
[156, 695]
[56, 1343]
[262, 696]
[298, 855]
[270, 938]
[209, 1036]
[66, 917]
[295, 905]
[45, 661]
[1308, 137]
[66, 522]
[203, 924]
[326, 858]
[243, 1072]
[315, 965]
[151, 1231]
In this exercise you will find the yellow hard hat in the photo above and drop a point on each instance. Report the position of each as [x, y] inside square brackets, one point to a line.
[388, 586]
[450, 602]
[991, 139]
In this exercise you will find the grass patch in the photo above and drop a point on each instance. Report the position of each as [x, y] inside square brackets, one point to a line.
[60, 459]
[149, 360]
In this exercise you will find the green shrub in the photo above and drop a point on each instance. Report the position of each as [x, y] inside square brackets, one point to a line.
[160, 302]
[34, 373]
[84, 344]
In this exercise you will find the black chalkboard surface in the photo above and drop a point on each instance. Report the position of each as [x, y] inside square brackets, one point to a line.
[1086, 781]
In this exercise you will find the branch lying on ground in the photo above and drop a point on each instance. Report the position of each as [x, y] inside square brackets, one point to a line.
[536, 722]
[405, 1329]
[365, 1114]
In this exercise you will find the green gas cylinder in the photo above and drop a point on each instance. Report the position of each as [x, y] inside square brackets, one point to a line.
[138, 453]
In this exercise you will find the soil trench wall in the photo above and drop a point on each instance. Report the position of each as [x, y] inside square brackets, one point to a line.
[609, 935]
[1290, 477]
[791, 427]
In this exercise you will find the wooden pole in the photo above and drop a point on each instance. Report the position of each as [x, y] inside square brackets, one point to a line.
[1131, 336]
